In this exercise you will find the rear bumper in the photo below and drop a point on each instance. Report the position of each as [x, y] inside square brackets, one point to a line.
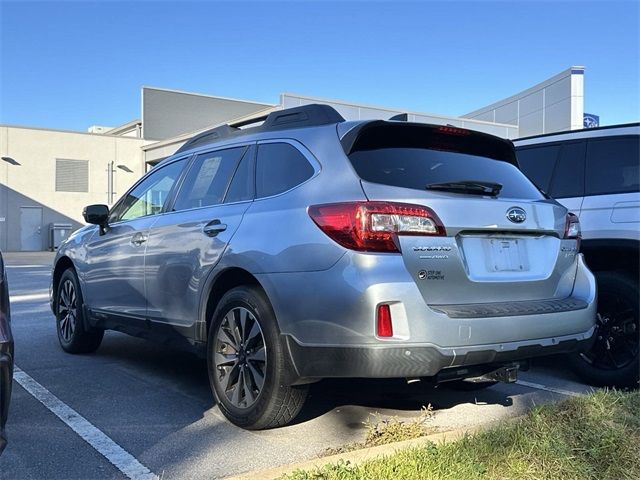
[332, 332]
[337, 308]
[314, 362]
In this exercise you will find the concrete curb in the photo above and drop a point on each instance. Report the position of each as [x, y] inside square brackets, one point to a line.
[359, 456]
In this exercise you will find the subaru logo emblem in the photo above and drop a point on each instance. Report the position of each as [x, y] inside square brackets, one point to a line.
[516, 215]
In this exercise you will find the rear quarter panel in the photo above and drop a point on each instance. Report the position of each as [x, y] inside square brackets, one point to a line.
[277, 234]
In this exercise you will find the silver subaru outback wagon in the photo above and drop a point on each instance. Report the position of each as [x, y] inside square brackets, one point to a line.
[310, 247]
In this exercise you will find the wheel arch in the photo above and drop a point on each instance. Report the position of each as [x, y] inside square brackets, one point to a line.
[224, 281]
[63, 264]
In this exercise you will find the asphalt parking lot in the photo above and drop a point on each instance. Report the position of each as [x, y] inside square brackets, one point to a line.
[155, 403]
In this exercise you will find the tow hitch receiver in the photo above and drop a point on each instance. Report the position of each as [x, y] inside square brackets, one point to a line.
[505, 374]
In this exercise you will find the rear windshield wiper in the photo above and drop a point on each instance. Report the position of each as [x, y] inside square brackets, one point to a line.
[468, 186]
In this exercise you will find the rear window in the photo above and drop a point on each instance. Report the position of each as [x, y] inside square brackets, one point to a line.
[558, 169]
[538, 164]
[413, 157]
[568, 176]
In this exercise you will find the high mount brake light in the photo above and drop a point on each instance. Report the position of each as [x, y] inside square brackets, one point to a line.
[453, 130]
[373, 226]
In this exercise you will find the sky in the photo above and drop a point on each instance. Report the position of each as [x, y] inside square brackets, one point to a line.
[69, 65]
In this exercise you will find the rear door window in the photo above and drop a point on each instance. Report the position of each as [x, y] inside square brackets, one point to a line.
[208, 178]
[280, 167]
[243, 185]
[613, 166]
[415, 156]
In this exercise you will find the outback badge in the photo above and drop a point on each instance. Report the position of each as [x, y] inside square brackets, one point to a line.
[516, 215]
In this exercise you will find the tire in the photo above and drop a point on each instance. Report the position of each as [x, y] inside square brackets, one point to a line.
[466, 386]
[247, 364]
[613, 360]
[73, 335]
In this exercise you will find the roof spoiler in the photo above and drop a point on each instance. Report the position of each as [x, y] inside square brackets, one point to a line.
[304, 116]
[416, 134]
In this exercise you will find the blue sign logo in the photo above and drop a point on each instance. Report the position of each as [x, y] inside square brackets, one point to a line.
[589, 120]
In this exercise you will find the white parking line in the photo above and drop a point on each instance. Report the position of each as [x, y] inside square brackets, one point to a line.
[118, 456]
[538, 386]
[28, 297]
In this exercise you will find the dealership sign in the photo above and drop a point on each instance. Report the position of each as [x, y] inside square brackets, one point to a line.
[589, 120]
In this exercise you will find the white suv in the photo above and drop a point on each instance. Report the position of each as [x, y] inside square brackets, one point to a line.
[596, 174]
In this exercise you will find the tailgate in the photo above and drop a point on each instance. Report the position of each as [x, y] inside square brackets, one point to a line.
[484, 257]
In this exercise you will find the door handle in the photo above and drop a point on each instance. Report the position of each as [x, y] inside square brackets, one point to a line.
[138, 239]
[214, 227]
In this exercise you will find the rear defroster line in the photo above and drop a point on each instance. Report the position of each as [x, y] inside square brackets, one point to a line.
[105, 446]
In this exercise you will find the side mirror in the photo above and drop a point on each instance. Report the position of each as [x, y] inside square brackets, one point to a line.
[97, 215]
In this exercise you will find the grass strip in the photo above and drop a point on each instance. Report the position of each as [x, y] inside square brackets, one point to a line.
[382, 431]
[596, 436]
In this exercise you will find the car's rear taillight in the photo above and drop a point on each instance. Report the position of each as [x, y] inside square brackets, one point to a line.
[572, 226]
[373, 226]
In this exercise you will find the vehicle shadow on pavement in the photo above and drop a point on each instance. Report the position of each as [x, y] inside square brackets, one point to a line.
[186, 373]
[353, 399]
[388, 397]
[167, 367]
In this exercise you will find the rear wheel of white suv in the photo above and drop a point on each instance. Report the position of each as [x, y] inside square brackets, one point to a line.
[247, 365]
[613, 360]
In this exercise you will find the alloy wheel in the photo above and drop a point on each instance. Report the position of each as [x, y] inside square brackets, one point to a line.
[67, 310]
[240, 357]
[616, 343]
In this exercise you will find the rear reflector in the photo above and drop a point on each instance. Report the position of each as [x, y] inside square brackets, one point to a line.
[373, 226]
[384, 323]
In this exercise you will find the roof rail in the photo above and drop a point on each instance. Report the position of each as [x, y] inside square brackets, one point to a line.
[248, 121]
[401, 117]
[304, 116]
[208, 137]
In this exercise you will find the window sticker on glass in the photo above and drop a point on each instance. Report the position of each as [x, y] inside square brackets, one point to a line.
[205, 177]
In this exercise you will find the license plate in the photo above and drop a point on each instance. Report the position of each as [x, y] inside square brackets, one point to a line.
[508, 255]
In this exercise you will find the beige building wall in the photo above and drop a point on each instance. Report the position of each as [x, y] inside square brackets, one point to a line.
[31, 185]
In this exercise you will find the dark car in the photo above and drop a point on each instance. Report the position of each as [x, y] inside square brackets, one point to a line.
[6, 353]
